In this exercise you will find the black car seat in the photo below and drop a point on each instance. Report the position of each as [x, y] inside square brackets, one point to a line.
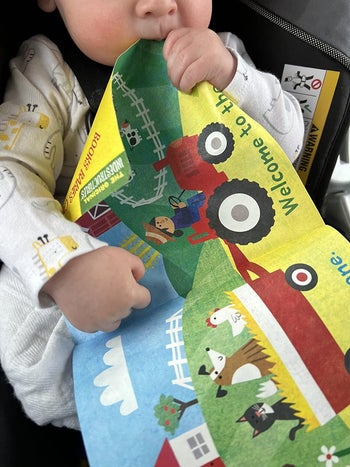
[307, 33]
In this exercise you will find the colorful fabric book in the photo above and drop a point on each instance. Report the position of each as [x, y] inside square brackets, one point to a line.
[242, 358]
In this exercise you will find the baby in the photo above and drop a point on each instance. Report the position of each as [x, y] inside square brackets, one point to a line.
[81, 279]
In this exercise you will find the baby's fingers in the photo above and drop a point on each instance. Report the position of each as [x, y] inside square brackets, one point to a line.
[142, 297]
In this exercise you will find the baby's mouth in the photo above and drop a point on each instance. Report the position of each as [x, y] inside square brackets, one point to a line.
[158, 30]
[164, 28]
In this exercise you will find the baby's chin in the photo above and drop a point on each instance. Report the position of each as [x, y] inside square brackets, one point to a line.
[109, 58]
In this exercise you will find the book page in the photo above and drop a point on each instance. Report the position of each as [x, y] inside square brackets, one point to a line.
[242, 357]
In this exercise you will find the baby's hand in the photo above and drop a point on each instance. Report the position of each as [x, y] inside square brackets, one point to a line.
[196, 55]
[96, 290]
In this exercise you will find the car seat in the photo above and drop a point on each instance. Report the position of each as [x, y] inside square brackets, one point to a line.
[302, 33]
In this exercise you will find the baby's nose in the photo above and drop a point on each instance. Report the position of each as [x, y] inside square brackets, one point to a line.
[156, 7]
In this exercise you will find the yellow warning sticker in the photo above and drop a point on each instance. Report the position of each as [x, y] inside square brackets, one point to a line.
[314, 88]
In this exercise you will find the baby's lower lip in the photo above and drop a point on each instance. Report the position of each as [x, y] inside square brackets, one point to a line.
[154, 37]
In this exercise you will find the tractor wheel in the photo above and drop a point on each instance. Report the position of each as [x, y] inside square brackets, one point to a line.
[215, 143]
[240, 211]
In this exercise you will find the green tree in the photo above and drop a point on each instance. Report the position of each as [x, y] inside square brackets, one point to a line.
[170, 410]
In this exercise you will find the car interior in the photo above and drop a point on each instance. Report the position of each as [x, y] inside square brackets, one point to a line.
[311, 34]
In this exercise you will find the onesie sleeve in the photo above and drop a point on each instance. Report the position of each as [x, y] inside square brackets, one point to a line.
[43, 109]
[261, 96]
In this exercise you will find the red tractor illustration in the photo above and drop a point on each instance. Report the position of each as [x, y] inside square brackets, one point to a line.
[239, 211]
[192, 160]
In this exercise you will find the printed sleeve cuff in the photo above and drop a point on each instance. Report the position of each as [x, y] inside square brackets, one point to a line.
[238, 89]
[51, 257]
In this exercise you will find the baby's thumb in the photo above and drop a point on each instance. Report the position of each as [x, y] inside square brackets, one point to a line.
[142, 297]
